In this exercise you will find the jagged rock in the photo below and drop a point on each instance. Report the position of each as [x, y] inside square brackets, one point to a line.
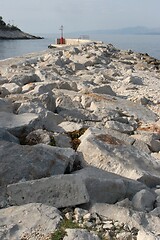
[106, 152]
[156, 212]
[104, 89]
[106, 192]
[21, 162]
[22, 80]
[18, 124]
[144, 200]
[31, 221]
[101, 105]
[12, 88]
[58, 191]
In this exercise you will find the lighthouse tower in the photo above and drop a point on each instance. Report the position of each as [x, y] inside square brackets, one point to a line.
[62, 40]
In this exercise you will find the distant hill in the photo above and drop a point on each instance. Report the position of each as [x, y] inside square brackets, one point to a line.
[129, 30]
[8, 31]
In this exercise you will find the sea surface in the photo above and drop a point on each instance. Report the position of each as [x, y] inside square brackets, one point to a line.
[139, 43]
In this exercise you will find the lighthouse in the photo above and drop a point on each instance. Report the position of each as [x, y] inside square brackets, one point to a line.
[62, 40]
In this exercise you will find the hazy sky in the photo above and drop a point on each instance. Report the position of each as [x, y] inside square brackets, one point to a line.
[46, 16]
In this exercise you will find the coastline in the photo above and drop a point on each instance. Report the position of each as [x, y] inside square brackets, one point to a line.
[80, 139]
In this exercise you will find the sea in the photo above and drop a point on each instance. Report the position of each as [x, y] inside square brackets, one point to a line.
[139, 43]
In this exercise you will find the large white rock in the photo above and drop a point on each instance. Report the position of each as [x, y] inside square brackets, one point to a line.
[17, 124]
[144, 200]
[22, 162]
[58, 191]
[108, 187]
[30, 221]
[104, 151]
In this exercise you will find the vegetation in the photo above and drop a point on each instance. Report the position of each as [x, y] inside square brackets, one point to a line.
[5, 27]
[75, 137]
[60, 233]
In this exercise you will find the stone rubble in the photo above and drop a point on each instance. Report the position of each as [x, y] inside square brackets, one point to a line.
[80, 145]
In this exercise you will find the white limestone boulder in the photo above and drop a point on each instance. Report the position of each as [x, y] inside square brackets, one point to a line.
[23, 162]
[144, 200]
[16, 124]
[28, 221]
[108, 187]
[58, 191]
[102, 150]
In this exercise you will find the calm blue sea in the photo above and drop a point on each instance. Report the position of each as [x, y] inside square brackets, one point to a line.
[140, 43]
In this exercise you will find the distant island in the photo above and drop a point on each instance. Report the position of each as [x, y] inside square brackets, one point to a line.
[138, 30]
[8, 31]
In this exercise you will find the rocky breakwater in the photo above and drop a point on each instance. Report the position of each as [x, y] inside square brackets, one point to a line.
[80, 145]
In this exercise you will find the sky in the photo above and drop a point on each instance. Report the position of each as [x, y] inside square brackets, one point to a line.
[46, 16]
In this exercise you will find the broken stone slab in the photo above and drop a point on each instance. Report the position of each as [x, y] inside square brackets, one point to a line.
[22, 162]
[79, 234]
[147, 224]
[58, 191]
[102, 150]
[108, 187]
[6, 136]
[16, 124]
[28, 221]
